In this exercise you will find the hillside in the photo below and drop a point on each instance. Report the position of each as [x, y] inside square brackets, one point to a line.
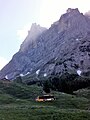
[17, 102]
[65, 46]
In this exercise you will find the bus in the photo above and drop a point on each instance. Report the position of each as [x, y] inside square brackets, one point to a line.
[45, 98]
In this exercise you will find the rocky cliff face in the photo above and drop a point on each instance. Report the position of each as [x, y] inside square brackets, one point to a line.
[33, 34]
[65, 46]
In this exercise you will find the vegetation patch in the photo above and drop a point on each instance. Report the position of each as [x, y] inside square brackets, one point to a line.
[17, 102]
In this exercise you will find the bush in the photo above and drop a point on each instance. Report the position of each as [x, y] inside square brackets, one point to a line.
[46, 86]
[67, 83]
[18, 79]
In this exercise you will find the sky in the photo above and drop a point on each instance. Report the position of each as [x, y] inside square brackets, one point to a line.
[16, 17]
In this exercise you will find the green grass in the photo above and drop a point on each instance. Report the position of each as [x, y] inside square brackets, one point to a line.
[42, 113]
[17, 102]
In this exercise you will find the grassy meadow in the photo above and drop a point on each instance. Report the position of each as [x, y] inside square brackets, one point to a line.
[17, 102]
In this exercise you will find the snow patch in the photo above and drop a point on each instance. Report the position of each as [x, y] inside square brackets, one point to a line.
[27, 73]
[37, 72]
[22, 75]
[79, 72]
[45, 75]
[77, 39]
[56, 58]
[6, 77]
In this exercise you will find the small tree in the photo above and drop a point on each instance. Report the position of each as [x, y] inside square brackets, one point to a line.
[18, 79]
[46, 86]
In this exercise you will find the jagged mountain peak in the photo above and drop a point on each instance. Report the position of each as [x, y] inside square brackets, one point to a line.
[69, 14]
[35, 29]
[33, 33]
[72, 19]
[65, 46]
[73, 11]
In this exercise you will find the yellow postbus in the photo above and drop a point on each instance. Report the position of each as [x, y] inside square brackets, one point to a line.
[45, 98]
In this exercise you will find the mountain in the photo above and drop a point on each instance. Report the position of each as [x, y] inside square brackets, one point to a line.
[65, 46]
[34, 32]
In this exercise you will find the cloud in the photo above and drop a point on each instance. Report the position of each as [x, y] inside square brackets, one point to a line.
[51, 10]
[23, 32]
[88, 13]
[3, 62]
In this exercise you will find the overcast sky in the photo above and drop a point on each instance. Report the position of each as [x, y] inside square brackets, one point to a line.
[16, 17]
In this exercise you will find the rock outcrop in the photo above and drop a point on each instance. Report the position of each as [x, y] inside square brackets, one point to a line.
[65, 46]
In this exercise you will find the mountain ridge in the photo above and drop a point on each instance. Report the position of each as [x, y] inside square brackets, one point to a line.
[65, 46]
